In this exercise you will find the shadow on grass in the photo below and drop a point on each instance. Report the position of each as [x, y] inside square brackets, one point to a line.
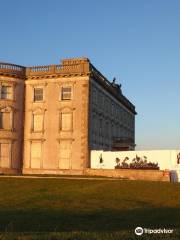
[92, 221]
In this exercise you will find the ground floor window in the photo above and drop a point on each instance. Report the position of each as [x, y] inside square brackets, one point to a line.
[36, 154]
[5, 153]
[65, 154]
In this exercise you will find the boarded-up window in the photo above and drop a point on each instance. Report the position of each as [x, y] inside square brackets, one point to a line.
[65, 154]
[36, 154]
[66, 121]
[5, 119]
[6, 92]
[37, 122]
[4, 155]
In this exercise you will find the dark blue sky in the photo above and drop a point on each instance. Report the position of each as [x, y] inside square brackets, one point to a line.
[137, 41]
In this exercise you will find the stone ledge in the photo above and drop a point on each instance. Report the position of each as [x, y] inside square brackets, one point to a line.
[131, 174]
[10, 171]
[52, 171]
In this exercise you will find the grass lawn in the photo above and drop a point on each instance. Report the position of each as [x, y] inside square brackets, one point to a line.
[86, 209]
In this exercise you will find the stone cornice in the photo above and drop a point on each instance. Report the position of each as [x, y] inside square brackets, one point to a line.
[68, 68]
[46, 76]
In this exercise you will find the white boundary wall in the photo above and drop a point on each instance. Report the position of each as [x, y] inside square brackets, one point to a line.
[166, 159]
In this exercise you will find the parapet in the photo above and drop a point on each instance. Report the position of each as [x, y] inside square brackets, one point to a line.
[67, 68]
[12, 70]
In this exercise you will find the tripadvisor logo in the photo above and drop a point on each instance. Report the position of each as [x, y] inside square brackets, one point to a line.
[139, 231]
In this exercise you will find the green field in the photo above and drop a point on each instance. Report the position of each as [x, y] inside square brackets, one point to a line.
[86, 209]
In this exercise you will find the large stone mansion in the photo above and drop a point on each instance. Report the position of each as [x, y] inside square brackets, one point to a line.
[52, 116]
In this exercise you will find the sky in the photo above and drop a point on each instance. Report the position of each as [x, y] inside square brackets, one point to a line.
[136, 41]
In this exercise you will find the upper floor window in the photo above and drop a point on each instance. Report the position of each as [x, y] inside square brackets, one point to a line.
[100, 127]
[102, 100]
[37, 122]
[66, 122]
[5, 120]
[66, 93]
[94, 96]
[112, 109]
[6, 92]
[38, 94]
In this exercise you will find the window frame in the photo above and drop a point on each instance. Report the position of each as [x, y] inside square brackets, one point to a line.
[7, 159]
[11, 119]
[62, 159]
[34, 94]
[42, 128]
[34, 112]
[61, 122]
[61, 93]
[37, 158]
[2, 85]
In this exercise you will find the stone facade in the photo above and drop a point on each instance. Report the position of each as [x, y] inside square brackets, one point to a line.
[52, 116]
[110, 120]
[11, 117]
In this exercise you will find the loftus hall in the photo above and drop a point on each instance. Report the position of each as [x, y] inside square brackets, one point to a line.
[51, 117]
